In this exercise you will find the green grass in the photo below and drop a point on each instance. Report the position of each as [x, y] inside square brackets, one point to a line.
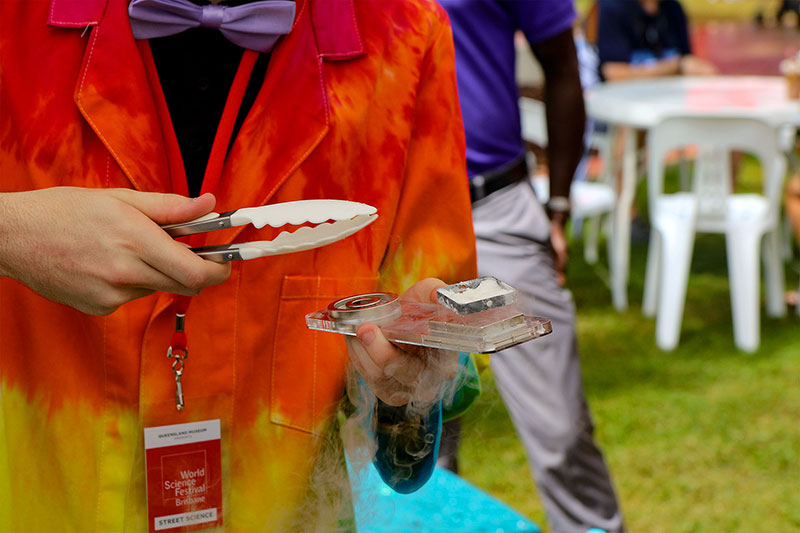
[702, 439]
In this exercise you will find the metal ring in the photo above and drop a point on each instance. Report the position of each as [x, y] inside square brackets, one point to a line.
[364, 307]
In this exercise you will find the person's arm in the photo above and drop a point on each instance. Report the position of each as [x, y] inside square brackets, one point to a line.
[566, 119]
[397, 375]
[548, 28]
[566, 116]
[96, 249]
[688, 65]
[620, 71]
[432, 237]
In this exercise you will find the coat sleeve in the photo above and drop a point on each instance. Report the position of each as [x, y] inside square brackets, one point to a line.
[432, 236]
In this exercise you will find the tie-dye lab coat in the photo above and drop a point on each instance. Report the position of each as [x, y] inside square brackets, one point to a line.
[359, 103]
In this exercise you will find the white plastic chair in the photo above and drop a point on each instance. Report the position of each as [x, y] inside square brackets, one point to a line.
[711, 207]
[590, 200]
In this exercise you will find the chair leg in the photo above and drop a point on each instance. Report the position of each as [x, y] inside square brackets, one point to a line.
[787, 239]
[744, 280]
[676, 249]
[650, 296]
[774, 282]
[621, 232]
[619, 258]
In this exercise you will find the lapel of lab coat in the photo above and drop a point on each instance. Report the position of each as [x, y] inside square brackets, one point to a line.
[288, 120]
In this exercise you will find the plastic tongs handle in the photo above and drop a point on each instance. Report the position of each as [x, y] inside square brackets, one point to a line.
[348, 217]
[206, 223]
[274, 215]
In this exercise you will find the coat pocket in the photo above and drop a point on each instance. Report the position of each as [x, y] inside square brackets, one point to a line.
[309, 367]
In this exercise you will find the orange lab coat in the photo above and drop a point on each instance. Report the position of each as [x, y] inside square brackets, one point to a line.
[359, 103]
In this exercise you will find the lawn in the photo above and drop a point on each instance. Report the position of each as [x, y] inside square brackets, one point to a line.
[701, 439]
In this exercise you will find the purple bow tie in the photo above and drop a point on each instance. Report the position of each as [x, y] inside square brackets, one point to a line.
[255, 26]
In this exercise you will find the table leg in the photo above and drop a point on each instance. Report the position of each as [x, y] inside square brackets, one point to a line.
[621, 243]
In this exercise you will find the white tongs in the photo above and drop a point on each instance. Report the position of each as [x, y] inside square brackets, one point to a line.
[347, 218]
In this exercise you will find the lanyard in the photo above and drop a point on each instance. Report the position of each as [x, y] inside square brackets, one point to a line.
[178, 349]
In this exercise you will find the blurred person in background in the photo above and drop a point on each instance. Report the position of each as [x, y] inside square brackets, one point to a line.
[522, 242]
[645, 39]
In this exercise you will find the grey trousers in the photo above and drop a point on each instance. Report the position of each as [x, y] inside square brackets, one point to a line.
[540, 381]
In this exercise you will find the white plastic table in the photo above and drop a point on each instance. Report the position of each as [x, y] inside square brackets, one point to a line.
[641, 104]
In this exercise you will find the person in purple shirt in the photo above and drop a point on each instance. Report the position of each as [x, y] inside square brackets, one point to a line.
[522, 242]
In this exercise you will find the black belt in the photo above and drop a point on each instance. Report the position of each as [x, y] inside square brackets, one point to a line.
[482, 185]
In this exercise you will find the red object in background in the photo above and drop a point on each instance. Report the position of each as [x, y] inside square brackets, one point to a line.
[741, 48]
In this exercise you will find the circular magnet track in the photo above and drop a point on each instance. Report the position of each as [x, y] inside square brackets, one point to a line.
[365, 307]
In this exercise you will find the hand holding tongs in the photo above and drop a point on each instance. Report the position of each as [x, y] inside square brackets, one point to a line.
[348, 218]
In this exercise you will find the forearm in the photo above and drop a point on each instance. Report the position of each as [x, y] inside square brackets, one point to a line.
[7, 223]
[620, 71]
[566, 119]
[96, 249]
[566, 115]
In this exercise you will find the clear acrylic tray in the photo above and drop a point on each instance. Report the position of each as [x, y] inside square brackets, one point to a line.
[477, 316]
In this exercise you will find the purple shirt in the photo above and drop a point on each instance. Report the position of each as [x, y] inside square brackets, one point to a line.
[483, 31]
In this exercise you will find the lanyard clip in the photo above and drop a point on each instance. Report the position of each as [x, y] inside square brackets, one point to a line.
[178, 352]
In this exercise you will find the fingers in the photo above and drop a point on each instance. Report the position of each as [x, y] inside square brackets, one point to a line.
[187, 271]
[401, 375]
[385, 387]
[167, 208]
[126, 279]
[108, 301]
[153, 278]
[393, 362]
[396, 375]
[423, 291]
[178, 270]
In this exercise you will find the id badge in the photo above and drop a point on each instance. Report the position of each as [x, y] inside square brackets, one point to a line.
[184, 476]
